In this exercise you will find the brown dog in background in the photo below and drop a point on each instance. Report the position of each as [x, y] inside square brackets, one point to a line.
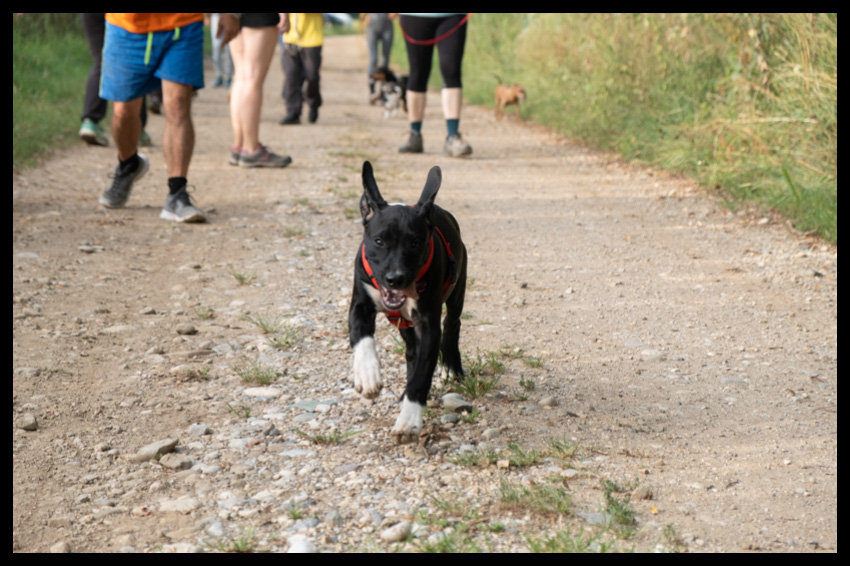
[506, 95]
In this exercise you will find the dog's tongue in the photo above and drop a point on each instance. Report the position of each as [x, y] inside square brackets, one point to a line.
[411, 292]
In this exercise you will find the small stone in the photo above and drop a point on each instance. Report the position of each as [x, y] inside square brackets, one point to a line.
[176, 461]
[456, 403]
[198, 429]
[450, 418]
[27, 421]
[642, 492]
[548, 402]
[146, 310]
[491, 433]
[263, 392]
[186, 329]
[503, 464]
[397, 532]
[186, 505]
[302, 547]
[155, 449]
[60, 547]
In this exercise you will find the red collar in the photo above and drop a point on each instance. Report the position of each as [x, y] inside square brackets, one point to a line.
[395, 317]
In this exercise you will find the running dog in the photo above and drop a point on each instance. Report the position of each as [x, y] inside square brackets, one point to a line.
[411, 261]
[391, 91]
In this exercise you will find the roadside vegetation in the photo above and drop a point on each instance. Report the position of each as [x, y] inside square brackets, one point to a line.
[746, 104]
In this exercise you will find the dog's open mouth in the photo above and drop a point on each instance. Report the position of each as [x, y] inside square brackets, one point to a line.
[394, 299]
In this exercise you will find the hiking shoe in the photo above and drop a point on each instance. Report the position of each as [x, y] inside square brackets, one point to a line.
[235, 153]
[92, 133]
[145, 139]
[155, 102]
[219, 81]
[179, 208]
[122, 183]
[456, 147]
[290, 120]
[413, 145]
[262, 157]
[313, 115]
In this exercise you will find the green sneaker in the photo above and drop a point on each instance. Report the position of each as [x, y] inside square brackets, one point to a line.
[145, 139]
[179, 208]
[92, 133]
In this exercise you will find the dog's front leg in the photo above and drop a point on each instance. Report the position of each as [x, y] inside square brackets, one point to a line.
[408, 425]
[361, 330]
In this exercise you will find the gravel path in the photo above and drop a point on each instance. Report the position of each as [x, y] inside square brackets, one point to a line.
[667, 370]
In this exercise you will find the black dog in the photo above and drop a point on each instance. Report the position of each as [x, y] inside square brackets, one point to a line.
[391, 91]
[410, 262]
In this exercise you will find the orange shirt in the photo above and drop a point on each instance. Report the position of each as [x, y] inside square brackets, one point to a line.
[144, 23]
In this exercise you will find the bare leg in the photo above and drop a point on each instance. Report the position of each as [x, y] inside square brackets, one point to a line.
[452, 98]
[178, 139]
[252, 52]
[126, 127]
[416, 105]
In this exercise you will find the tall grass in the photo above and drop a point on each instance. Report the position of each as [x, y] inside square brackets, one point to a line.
[50, 63]
[747, 104]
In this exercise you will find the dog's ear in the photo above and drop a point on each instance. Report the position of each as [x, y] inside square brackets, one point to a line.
[371, 201]
[425, 206]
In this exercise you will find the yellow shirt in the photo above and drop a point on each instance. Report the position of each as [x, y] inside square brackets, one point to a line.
[305, 30]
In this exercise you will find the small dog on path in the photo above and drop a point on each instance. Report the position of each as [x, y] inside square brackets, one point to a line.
[507, 95]
[411, 261]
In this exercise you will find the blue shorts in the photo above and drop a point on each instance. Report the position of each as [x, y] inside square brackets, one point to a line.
[135, 64]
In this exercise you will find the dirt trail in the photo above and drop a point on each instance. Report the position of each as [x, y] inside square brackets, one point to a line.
[682, 346]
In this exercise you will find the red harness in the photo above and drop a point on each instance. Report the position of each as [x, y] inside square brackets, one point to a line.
[395, 317]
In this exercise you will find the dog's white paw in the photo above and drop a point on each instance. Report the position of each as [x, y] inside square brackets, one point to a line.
[367, 369]
[408, 424]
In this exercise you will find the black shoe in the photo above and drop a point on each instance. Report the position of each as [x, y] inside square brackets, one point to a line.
[122, 183]
[313, 115]
[290, 120]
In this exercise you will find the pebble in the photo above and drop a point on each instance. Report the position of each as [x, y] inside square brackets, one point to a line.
[397, 532]
[176, 461]
[642, 492]
[456, 403]
[263, 392]
[198, 429]
[182, 505]
[60, 547]
[548, 402]
[186, 329]
[155, 449]
[302, 547]
[28, 422]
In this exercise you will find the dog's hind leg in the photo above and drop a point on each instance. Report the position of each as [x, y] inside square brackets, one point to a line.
[449, 348]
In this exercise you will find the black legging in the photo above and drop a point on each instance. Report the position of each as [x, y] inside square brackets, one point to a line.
[419, 57]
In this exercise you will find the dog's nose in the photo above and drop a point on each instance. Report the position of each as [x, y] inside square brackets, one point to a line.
[395, 280]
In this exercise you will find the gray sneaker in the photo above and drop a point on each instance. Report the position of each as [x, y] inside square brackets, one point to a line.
[235, 155]
[413, 145]
[456, 147]
[179, 208]
[262, 157]
[116, 196]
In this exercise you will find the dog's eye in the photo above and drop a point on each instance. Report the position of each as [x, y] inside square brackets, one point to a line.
[379, 242]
